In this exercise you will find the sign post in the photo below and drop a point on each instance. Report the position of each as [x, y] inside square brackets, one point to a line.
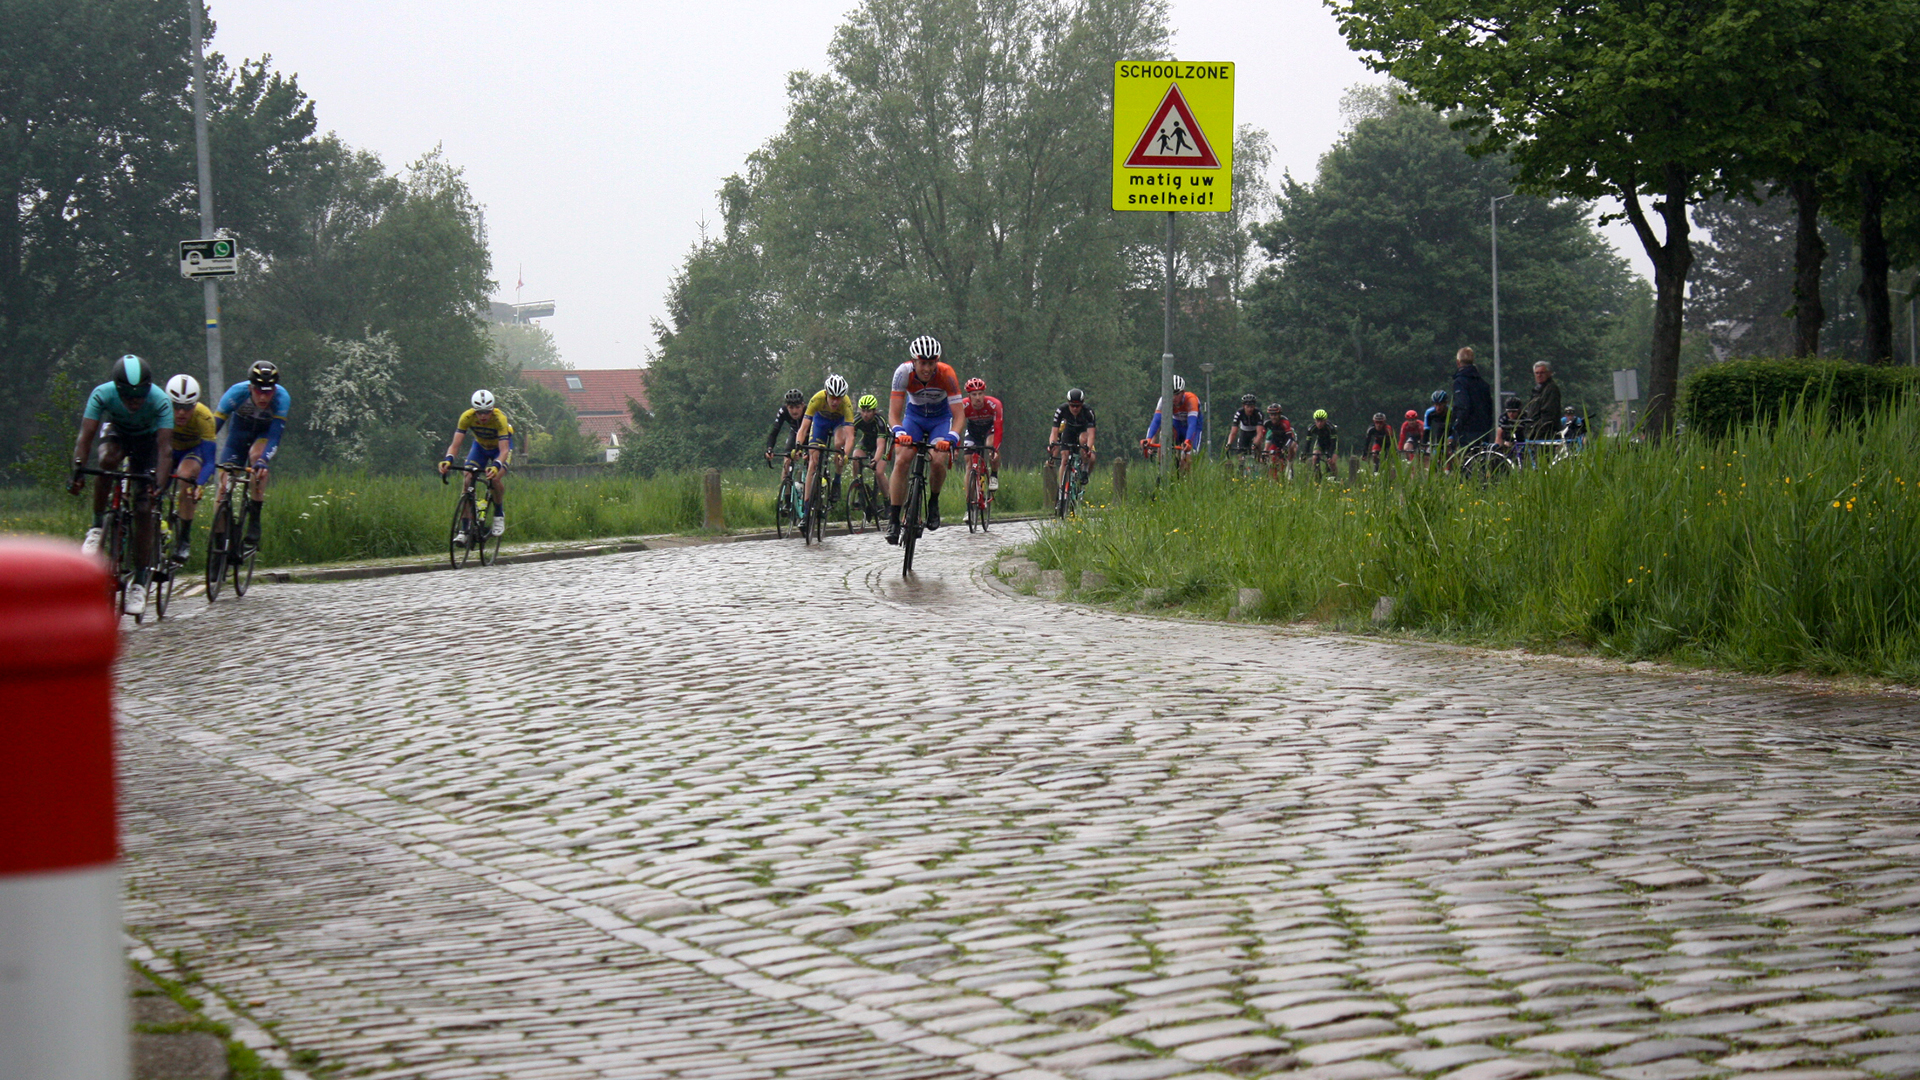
[209, 286]
[209, 259]
[1172, 151]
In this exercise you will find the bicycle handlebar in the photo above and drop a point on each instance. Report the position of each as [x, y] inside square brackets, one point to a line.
[118, 474]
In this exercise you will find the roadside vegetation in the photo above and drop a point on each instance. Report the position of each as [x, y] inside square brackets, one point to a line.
[1793, 546]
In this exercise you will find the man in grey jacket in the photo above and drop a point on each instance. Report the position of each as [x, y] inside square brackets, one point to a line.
[1541, 418]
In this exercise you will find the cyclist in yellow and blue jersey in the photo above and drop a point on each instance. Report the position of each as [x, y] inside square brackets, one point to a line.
[194, 451]
[828, 422]
[491, 450]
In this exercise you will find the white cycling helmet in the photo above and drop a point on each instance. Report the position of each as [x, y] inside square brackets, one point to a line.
[183, 390]
[836, 386]
[483, 400]
[924, 347]
[1179, 384]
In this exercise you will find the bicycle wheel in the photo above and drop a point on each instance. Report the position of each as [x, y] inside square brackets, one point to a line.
[854, 494]
[1486, 467]
[986, 501]
[910, 514]
[973, 499]
[810, 512]
[217, 550]
[243, 571]
[780, 511]
[164, 566]
[120, 556]
[488, 544]
[459, 543]
[1063, 498]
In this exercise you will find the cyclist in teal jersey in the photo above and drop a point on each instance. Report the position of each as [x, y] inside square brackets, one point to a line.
[133, 422]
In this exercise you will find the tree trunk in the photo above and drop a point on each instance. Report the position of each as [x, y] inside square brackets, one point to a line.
[1809, 251]
[1876, 307]
[1671, 261]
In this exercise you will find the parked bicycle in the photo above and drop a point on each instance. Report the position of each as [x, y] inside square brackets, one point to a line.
[1073, 477]
[979, 492]
[121, 542]
[227, 549]
[470, 531]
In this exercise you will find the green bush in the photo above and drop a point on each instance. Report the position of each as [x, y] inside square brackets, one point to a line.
[1723, 398]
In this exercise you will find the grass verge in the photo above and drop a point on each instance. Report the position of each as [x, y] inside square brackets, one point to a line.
[1791, 547]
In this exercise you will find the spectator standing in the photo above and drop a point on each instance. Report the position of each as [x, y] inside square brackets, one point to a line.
[1542, 411]
[1472, 403]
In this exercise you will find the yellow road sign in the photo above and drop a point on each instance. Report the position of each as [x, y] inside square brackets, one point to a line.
[1172, 135]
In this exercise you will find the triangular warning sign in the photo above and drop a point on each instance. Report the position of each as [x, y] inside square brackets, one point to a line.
[1172, 139]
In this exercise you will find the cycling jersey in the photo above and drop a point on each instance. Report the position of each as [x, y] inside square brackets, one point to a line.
[488, 433]
[1279, 434]
[1321, 438]
[200, 427]
[148, 418]
[865, 431]
[1070, 425]
[1246, 427]
[985, 420]
[1186, 418]
[930, 397]
[819, 408]
[781, 417]
[1410, 433]
[1436, 425]
[244, 422]
[1378, 437]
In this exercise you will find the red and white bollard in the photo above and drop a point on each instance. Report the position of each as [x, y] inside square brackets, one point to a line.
[63, 982]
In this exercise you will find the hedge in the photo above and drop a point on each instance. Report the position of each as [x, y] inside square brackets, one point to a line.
[1723, 398]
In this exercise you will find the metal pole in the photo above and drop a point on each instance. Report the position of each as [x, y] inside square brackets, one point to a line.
[1206, 408]
[1166, 363]
[1493, 232]
[216, 375]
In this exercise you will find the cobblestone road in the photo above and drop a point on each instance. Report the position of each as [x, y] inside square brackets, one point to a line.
[676, 814]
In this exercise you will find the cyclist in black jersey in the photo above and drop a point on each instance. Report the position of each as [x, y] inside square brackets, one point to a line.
[1245, 426]
[790, 414]
[1279, 441]
[1379, 440]
[1073, 424]
[1322, 440]
[872, 440]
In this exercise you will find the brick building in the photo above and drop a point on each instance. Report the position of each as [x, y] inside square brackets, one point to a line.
[601, 399]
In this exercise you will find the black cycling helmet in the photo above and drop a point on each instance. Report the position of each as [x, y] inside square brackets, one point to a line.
[795, 397]
[1275, 407]
[1513, 403]
[263, 373]
[1249, 399]
[1076, 395]
[1439, 397]
[132, 377]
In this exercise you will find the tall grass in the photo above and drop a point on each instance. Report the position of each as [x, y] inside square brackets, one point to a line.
[1792, 547]
[339, 517]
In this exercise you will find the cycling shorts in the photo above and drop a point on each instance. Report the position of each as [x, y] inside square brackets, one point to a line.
[142, 452]
[1243, 440]
[481, 456]
[925, 428]
[823, 428]
[204, 452]
[980, 431]
[234, 446]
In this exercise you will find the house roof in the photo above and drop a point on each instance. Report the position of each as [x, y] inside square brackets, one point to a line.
[598, 392]
[603, 427]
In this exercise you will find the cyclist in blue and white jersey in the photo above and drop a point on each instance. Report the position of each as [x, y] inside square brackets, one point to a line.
[927, 406]
[137, 418]
[252, 416]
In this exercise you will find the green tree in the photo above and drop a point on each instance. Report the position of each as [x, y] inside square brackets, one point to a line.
[525, 346]
[1380, 273]
[1751, 299]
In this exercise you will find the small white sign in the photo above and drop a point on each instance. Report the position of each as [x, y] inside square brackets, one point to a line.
[218, 257]
[1626, 385]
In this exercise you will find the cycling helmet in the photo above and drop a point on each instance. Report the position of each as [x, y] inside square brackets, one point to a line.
[483, 400]
[1319, 414]
[263, 373]
[184, 390]
[1513, 403]
[1411, 415]
[131, 376]
[1076, 396]
[1249, 399]
[1439, 397]
[975, 383]
[1379, 417]
[835, 386]
[1179, 384]
[924, 347]
[868, 401]
[795, 397]
[1275, 407]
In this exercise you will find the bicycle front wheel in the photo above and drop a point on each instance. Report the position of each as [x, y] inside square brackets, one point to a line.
[243, 572]
[973, 500]
[910, 517]
[217, 534]
[459, 543]
[810, 512]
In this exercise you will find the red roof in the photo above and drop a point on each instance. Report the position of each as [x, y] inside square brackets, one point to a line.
[602, 427]
[595, 393]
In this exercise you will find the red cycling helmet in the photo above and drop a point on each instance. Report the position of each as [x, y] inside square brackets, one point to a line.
[975, 384]
[1411, 415]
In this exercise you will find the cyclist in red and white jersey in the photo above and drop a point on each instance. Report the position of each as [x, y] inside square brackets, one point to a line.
[985, 422]
[926, 407]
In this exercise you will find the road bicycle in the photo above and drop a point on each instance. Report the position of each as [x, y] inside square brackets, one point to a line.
[815, 509]
[168, 567]
[1485, 465]
[1279, 461]
[791, 497]
[862, 499]
[472, 529]
[979, 491]
[1073, 477]
[227, 548]
[912, 512]
[1246, 463]
[1323, 461]
[120, 540]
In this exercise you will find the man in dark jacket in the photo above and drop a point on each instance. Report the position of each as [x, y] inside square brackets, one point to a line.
[1472, 403]
[1541, 418]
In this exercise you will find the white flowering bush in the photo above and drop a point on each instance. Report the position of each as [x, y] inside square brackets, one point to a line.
[354, 396]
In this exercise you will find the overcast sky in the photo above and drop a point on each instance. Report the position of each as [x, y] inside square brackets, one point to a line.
[595, 134]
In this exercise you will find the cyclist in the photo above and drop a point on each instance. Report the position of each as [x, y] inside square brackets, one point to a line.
[792, 410]
[1247, 422]
[1379, 437]
[1573, 426]
[492, 448]
[1509, 434]
[828, 423]
[871, 440]
[985, 423]
[1186, 422]
[926, 406]
[1279, 440]
[1322, 440]
[133, 420]
[253, 415]
[1436, 423]
[1412, 435]
[194, 449]
[1073, 425]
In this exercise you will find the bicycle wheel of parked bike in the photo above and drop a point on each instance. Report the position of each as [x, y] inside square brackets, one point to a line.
[459, 540]
[1485, 467]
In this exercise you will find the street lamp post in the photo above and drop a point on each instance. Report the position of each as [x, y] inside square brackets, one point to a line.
[1206, 406]
[1493, 232]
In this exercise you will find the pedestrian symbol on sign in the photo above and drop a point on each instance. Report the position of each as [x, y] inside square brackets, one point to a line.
[1172, 138]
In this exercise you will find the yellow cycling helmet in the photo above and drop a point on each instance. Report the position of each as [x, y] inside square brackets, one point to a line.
[1319, 414]
[868, 401]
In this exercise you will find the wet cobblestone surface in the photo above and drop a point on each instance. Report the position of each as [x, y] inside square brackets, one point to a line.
[759, 810]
